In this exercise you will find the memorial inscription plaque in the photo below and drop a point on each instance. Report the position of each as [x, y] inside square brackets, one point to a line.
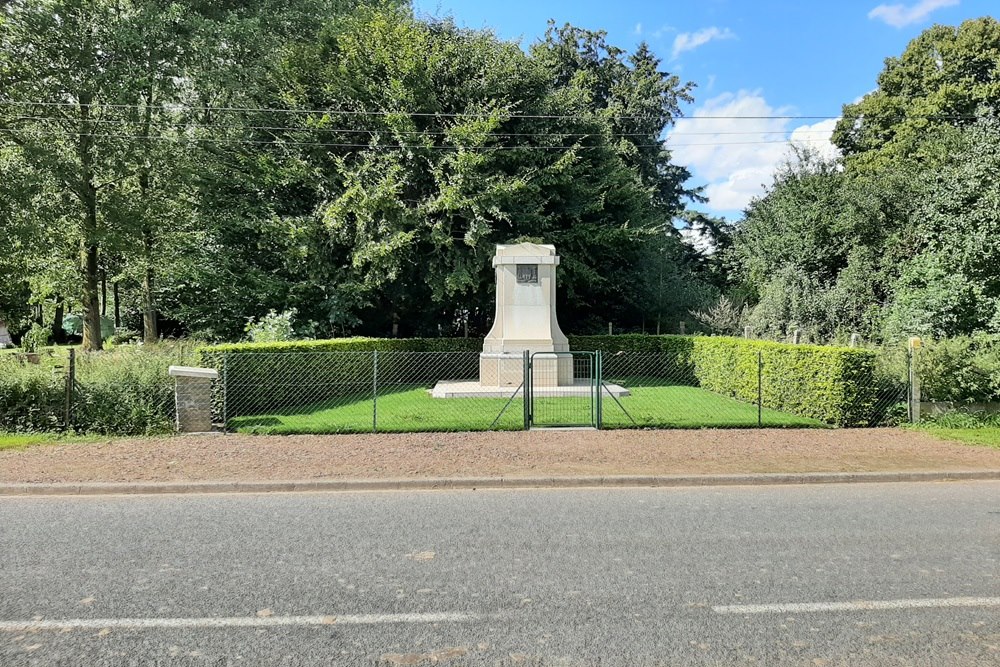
[527, 273]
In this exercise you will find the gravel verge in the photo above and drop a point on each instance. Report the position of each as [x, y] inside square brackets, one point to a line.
[492, 454]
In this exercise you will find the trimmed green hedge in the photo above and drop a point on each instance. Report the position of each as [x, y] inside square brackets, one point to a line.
[358, 344]
[268, 377]
[837, 385]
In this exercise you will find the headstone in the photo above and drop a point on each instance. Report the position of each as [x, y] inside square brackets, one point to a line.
[525, 319]
[748, 332]
[193, 398]
[5, 339]
[855, 340]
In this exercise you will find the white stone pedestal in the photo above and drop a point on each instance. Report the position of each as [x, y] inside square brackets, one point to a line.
[500, 369]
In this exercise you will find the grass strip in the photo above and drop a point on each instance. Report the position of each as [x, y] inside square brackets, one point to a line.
[25, 440]
[986, 436]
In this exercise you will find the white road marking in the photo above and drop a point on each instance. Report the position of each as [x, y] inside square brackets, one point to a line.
[856, 605]
[232, 622]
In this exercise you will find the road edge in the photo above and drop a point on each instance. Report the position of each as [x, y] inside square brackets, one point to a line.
[473, 483]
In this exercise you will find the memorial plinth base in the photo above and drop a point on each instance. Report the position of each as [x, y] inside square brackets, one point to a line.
[473, 389]
[506, 369]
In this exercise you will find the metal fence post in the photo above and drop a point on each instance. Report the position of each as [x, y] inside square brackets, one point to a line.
[225, 392]
[526, 394]
[70, 390]
[760, 387]
[599, 362]
[915, 344]
[374, 391]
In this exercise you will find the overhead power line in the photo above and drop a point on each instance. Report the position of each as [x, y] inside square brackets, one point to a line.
[509, 114]
[390, 130]
[384, 112]
[236, 140]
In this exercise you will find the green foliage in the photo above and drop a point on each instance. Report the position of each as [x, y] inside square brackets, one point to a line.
[963, 419]
[123, 336]
[125, 391]
[212, 353]
[329, 368]
[32, 396]
[899, 237]
[35, 338]
[835, 385]
[943, 76]
[272, 328]
[962, 370]
[725, 317]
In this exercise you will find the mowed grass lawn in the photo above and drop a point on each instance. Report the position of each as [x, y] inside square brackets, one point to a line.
[414, 410]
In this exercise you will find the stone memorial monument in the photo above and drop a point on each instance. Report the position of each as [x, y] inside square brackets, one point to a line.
[525, 321]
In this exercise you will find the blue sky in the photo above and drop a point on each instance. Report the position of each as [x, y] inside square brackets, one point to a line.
[748, 57]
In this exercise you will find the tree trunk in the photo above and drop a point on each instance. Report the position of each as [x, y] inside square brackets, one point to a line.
[92, 340]
[89, 245]
[58, 335]
[150, 330]
[104, 293]
[118, 312]
[395, 325]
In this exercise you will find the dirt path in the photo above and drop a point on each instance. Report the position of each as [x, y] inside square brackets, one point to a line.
[242, 457]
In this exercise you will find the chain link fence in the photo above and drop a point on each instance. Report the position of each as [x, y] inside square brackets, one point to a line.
[356, 392]
[128, 392]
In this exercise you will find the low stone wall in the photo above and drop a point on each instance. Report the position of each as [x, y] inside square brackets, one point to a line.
[934, 408]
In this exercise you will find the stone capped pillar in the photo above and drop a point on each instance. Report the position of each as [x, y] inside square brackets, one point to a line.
[525, 319]
[193, 398]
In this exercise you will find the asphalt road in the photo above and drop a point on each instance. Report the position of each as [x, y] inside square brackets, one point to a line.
[867, 574]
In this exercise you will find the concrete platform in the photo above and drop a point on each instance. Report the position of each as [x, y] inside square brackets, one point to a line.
[472, 389]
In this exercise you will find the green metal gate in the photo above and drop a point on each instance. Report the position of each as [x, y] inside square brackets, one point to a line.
[563, 390]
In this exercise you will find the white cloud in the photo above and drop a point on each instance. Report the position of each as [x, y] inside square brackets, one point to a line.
[698, 239]
[688, 41]
[900, 15]
[638, 29]
[663, 30]
[734, 142]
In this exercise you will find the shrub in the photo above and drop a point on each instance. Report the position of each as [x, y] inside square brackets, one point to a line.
[125, 391]
[35, 338]
[269, 376]
[124, 336]
[32, 396]
[272, 328]
[963, 369]
[837, 385]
